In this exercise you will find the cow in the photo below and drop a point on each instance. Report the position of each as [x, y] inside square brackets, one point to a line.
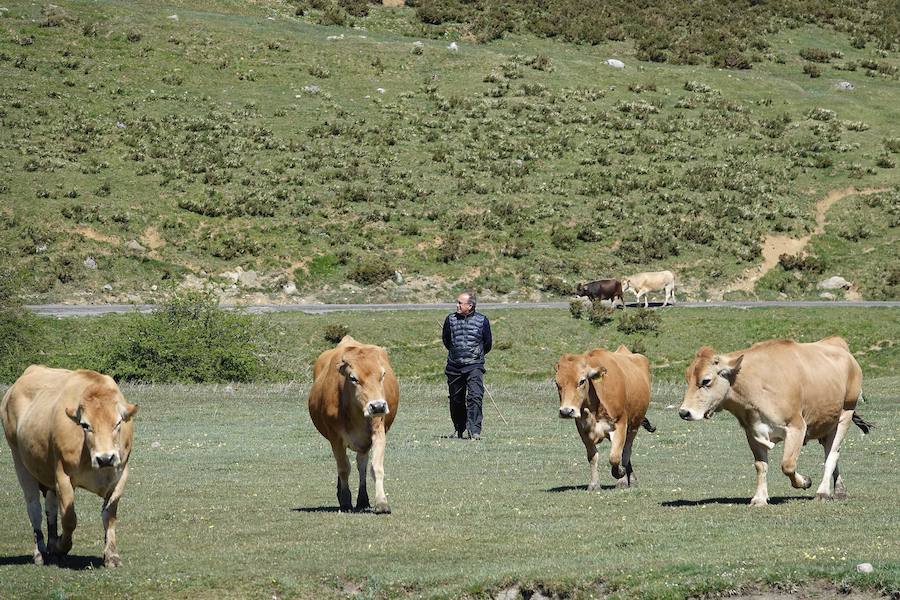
[607, 393]
[781, 390]
[68, 429]
[603, 289]
[643, 283]
[352, 402]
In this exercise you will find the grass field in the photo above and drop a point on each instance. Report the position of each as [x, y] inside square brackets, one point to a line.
[232, 496]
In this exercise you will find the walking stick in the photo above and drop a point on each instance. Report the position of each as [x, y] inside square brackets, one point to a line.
[494, 402]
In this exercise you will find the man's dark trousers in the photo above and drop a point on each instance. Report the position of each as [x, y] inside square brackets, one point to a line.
[466, 395]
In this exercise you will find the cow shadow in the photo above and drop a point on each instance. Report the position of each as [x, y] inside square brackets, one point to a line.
[732, 501]
[649, 304]
[71, 562]
[317, 509]
[572, 488]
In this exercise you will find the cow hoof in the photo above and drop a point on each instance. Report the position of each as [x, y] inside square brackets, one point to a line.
[617, 472]
[805, 482]
[38, 558]
[112, 561]
[821, 496]
[591, 487]
[382, 509]
[842, 495]
[759, 501]
[360, 506]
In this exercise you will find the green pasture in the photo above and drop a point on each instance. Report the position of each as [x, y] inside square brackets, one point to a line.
[231, 495]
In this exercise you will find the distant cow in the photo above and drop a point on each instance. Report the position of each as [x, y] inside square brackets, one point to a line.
[607, 393]
[781, 390]
[643, 283]
[68, 429]
[603, 289]
[352, 402]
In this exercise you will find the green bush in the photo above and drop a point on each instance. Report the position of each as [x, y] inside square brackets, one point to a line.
[187, 340]
[334, 332]
[642, 320]
[600, 313]
[21, 333]
[576, 308]
[371, 270]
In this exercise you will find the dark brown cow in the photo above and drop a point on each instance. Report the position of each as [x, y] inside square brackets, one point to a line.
[352, 402]
[781, 390]
[602, 289]
[68, 429]
[607, 393]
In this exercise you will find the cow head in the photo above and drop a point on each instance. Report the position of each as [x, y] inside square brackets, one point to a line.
[573, 381]
[579, 289]
[102, 412]
[364, 379]
[626, 285]
[709, 378]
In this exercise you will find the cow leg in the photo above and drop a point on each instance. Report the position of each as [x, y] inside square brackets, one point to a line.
[832, 453]
[110, 508]
[630, 479]
[840, 492]
[362, 494]
[592, 455]
[66, 494]
[795, 433]
[379, 439]
[617, 441]
[32, 492]
[761, 462]
[51, 508]
[345, 500]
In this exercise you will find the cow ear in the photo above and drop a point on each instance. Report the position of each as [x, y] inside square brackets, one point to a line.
[343, 367]
[75, 414]
[129, 412]
[728, 369]
[597, 373]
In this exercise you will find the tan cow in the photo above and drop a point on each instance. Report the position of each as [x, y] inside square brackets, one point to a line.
[607, 393]
[352, 402]
[644, 283]
[781, 390]
[68, 429]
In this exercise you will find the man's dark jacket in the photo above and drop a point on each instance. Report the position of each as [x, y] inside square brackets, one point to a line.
[467, 340]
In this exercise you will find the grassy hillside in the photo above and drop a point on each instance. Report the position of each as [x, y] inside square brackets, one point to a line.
[146, 146]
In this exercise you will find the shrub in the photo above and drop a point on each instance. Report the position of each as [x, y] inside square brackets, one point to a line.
[642, 320]
[21, 333]
[801, 262]
[334, 332]
[556, 285]
[371, 270]
[819, 55]
[600, 314]
[576, 308]
[189, 339]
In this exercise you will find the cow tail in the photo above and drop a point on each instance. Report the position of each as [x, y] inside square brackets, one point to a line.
[862, 423]
[646, 424]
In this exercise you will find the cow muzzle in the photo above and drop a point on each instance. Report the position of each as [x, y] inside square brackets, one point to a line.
[567, 412]
[109, 459]
[376, 407]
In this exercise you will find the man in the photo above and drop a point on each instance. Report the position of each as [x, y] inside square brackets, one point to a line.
[467, 337]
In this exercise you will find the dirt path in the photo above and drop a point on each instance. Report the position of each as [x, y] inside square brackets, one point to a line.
[776, 245]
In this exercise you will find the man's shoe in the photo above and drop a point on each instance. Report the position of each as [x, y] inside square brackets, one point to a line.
[465, 435]
[455, 435]
[475, 436]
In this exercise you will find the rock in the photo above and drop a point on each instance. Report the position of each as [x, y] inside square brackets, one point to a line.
[173, 17]
[844, 85]
[249, 279]
[834, 283]
[419, 44]
[312, 89]
[614, 63]
[155, 445]
[453, 47]
[40, 248]
[290, 289]
[107, 288]
[90, 263]
[398, 278]
[508, 594]
[379, 90]
[865, 568]
[135, 246]
[192, 282]
[826, 296]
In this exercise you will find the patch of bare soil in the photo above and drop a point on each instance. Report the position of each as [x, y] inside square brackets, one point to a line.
[93, 234]
[776, 245]
[151, 239]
